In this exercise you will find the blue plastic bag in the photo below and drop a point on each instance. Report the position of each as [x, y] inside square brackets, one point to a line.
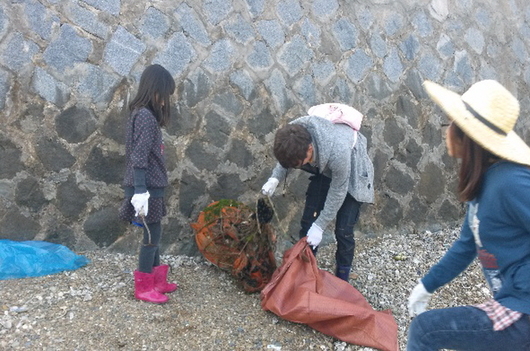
[22, 259]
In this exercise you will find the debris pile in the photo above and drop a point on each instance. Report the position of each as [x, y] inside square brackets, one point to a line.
[239, 240]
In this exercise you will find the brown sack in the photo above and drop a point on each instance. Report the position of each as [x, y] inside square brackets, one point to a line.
[302, 293]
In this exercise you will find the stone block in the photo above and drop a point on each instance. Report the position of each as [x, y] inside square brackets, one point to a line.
[240, 30]
[75, 124]
[519, 50]
[111, 6]
[123, 51]
[306, 90]
[114, 125]
[217, 129]
[242, 81]
[4, 21]
[432, 183]
[49, 88]
[68, 49]
[228, 186]
[410, 47]
[430, 67]
[29, 194]
[216, 10]
[463, 67]
[341, 90]
[19, 52]
[240, 154]
[289, 11]
[422, 24]
[4, 87]
[154, 23]
[311, 32]
[345, 33]
[17, 226]
[53, 155]
[377, 86]
[61, 234]
[392, 66]
[201, 158]
[191, 189]
[107, 167]
[393, 24]
[260, 56]
[71, 200]
[9, 158]
[103, 227]
[378, 45]
[323, 71]
[414, 82]
[177, 55]
[295, 54]
[391, 212]
[325, 8]
[411, 155]
[365, 17]
[256, 7]
[475, 39]
[88, 20]
[97, 84]
[182, 121]
[262, 123]
[399, 181]
[191, 24]
[271, 31]
[276, 85]
[358, 65]
[230, 103]
[393, 133]
[221, 56]
[40, 19]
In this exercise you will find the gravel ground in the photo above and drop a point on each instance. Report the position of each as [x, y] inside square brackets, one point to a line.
[93, 308]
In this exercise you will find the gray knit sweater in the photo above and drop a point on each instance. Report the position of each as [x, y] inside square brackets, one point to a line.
[350, 169]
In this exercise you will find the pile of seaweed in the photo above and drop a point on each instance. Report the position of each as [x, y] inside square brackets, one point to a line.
[239, 240]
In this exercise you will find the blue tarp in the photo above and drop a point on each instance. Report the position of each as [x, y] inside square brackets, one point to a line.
[22, 259]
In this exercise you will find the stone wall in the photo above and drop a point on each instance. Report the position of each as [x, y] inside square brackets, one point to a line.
[243, 67]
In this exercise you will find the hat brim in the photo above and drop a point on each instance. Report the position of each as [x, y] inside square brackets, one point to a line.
[510, 146]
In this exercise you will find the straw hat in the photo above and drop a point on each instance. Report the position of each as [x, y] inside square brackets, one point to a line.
[487, 113]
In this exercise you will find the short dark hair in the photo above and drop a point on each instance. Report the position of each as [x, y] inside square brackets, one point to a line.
[155, 88]
[291, 144]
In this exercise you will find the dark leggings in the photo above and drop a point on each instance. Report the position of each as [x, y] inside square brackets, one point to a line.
[347, 216]
[149, 253]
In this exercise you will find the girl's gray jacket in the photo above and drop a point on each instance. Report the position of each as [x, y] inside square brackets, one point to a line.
[350, 169]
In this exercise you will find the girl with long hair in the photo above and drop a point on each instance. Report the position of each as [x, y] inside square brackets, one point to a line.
[146, 178]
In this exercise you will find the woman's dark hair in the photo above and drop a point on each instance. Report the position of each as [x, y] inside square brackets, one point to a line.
[155, 88]
[291, 144]
[475, 162]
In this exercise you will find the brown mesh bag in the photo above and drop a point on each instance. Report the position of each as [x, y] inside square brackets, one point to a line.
[238, 240]
[302, 293]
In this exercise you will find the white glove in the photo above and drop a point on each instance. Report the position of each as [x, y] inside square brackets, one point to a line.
[269, 187]
[141, 203]
[418, 300]
[314, 235]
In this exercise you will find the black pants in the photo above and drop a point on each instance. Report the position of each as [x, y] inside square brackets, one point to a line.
[347, 216]
[149, 253]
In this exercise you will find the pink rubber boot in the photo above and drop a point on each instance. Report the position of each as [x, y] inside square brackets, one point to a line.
[144, 288]
[161, 284]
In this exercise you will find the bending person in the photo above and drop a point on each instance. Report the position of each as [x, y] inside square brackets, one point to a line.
[327, 145]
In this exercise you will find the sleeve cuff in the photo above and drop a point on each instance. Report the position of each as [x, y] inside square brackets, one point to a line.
[139, 181]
